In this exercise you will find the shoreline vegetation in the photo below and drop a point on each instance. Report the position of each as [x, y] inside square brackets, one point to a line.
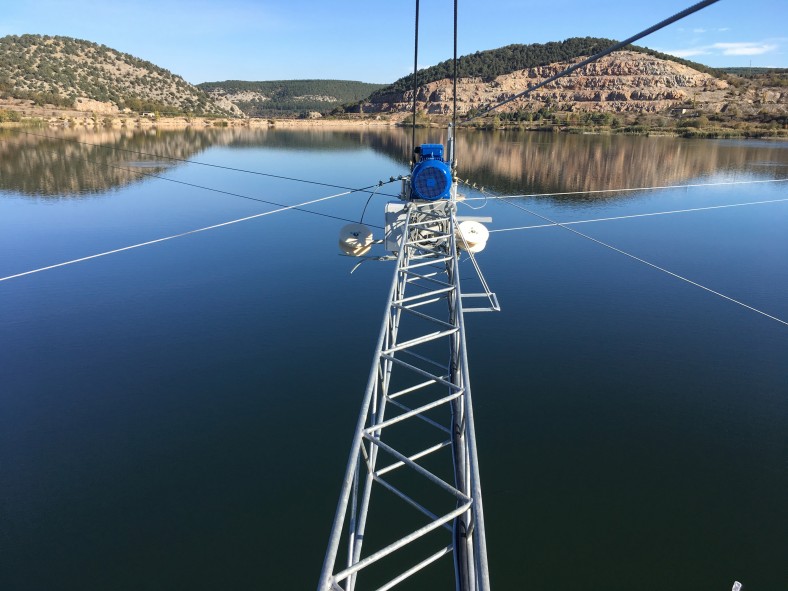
[26, 114]
[60, 82]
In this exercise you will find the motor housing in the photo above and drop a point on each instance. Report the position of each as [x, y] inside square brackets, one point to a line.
[431, 177]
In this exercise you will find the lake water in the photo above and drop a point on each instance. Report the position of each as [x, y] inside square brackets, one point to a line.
[178, 416]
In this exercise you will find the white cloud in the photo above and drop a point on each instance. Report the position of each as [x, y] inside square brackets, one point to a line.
[745, 48]
[698, 30]
[737, 48]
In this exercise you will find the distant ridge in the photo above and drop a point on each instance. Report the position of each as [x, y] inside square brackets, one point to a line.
[492, 63]
[80, 74]
[289, 97]
[633, 90]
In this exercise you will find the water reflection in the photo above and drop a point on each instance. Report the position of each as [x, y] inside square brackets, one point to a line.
[523, 162]
[79, 163]
[75, 163]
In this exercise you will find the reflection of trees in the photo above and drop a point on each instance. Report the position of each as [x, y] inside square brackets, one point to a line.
[524, 162]
[50, 166]
[315, 139]
[58, 165]
[505, 161]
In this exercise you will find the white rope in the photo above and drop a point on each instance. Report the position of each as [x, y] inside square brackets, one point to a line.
[639, 215]
[645, 262]
[157, 240]
[694, 185]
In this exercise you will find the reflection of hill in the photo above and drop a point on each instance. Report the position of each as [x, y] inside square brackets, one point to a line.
[507, 162]
[50, 166]
[522, 162]
[307, 139]
[58, 165]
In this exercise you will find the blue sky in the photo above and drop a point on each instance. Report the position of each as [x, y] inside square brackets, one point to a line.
[373, 41]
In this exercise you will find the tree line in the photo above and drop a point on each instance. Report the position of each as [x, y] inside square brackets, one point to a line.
[289, 97]
[490, 64]
[57, 70]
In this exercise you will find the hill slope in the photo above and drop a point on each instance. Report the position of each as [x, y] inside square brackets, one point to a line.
[492, 63]
[636, 81]
[288, 97]
[75, 73]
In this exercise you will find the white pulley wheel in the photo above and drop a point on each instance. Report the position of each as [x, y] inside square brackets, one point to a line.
[355, 239]
[473, 234]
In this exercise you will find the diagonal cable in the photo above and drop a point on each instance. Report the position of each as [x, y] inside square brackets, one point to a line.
[219, 166]
[640, 215]
[230, 193]
[645, 262]
[621, 44]
[172, 237]
[624, 190]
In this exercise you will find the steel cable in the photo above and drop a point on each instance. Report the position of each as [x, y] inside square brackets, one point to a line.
[678, 16]
[639, 215]
[645, 262]
[172, 237]
[230, 193]
[186, 161]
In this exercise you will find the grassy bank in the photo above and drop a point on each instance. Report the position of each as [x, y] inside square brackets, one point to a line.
[691, 126]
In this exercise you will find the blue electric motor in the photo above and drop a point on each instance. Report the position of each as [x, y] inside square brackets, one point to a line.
[431, 177]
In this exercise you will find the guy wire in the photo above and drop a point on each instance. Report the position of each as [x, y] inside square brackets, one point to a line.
[415, 79]
[645, 262]
[222, 192]
[678, 16]
[172, 237]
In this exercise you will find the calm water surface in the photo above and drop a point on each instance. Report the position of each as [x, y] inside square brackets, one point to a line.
[178, 416]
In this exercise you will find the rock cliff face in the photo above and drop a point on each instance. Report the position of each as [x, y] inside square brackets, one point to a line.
[623, 82]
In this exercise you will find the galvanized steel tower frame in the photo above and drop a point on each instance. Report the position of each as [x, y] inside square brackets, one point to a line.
[415, 442]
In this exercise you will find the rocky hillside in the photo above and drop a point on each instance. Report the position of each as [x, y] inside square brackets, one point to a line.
[79, 74]
[622, 81]
[636, 81]
[279, 98]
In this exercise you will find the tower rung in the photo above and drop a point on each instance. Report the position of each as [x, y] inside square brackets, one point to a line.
[426, 302]
[407, 499]
[427, 263]
[429, 252]
[420, 371]
[427, 420]
[412, 277]
[420, 340]
[425, 295]
[441, 366]
[416, 568]
[412, 413]
[414, 457]
[419, 469]
[430, 240]
[433, 274]
[383, 552]
[421, 315]
[421, 417]
[404, 391]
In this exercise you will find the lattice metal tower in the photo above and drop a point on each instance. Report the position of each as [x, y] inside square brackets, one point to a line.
[414, 448]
